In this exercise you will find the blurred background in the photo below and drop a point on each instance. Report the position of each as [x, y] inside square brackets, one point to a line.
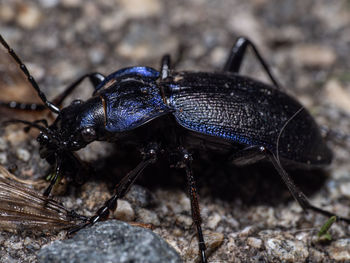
[306, 43]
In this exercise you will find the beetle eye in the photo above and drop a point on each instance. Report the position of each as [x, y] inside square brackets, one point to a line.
[88, 134]
[76, 102]
[43, 139]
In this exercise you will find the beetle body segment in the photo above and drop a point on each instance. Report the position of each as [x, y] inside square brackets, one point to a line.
[246, 112]
[131, 102]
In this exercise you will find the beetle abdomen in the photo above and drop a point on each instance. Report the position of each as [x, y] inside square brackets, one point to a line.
[247, 112]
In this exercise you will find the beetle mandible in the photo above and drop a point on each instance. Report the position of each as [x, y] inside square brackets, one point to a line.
[178, 113]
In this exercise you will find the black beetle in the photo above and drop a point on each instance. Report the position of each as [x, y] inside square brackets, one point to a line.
[178, 113]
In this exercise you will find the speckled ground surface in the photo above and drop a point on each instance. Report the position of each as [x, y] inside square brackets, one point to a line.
[307, 43]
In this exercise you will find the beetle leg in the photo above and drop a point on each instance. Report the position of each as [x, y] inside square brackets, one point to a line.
[55, 177]
[234, 61]
[192, 191]
[246, 156]
[253, 153]
[298, 195]
[122, 188]
[95, 79]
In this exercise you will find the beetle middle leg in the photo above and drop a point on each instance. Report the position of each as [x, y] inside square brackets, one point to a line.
[192, 191]
[234, 61]
[253, 153]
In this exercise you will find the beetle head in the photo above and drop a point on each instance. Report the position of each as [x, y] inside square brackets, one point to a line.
[75, 126]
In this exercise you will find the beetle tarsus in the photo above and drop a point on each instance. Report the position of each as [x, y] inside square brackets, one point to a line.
[122, 188]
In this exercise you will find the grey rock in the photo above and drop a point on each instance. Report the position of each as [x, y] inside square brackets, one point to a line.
[111, 241]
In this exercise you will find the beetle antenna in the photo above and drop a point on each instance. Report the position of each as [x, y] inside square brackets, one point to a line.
[30, 125]
[52, 107]
[281, 131]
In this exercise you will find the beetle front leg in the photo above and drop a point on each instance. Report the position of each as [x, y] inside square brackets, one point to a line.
[192, 191]
[95, 79]
[234, 61]
[150, 156]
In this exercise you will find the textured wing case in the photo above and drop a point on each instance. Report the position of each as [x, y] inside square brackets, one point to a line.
[244, 111]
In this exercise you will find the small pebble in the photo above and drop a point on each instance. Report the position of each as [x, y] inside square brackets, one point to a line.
[254, 242]
[184, 220]
[71, 3]
[340, 250]
[246, 231]
[124, 211]
[49, 3]
[338, 94]
[28, 16]
[6, 12]
[3, 144]
[184, 202]
[147, 217]
[23, 155]
[316, 256]
[213, 221]
[286, 250]
[3, 158]
[212, 241]
[141, 8]
[314, 55]
[17, 245]
[345, 189]
[218, 55]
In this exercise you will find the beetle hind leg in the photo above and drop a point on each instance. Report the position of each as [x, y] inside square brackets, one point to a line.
[253, 154]
[298, 195]
[235, 59]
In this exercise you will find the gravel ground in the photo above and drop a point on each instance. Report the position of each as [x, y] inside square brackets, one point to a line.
[249, 211]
